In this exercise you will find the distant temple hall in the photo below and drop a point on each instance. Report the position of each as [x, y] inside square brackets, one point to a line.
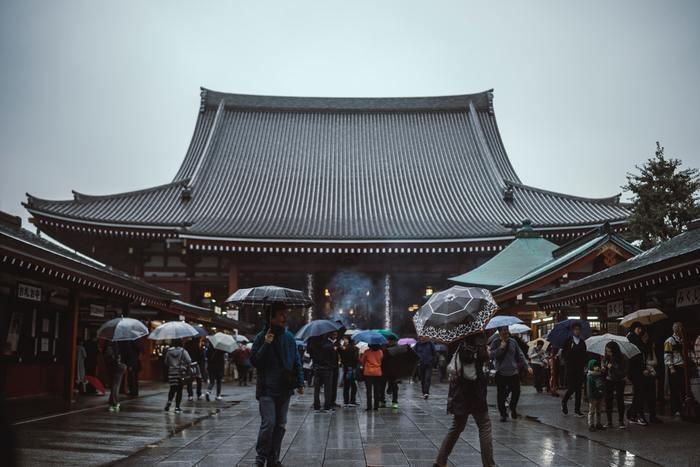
[368, 204]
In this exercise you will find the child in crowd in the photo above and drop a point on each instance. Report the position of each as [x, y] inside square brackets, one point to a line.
[595, 390]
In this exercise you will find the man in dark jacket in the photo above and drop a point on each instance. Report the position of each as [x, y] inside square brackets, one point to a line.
[467, 396]
[428, 359]
[574, 355]
[275, 356]
[637, 365]
[350, 359]
[130, 352]
[194, 349]
[324, 354]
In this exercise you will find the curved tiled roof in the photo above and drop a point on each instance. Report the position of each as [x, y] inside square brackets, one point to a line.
[342, 169]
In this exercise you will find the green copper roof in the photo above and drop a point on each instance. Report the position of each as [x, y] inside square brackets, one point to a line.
[525, 253]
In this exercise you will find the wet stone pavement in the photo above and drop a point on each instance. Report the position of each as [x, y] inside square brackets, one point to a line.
[224, 433]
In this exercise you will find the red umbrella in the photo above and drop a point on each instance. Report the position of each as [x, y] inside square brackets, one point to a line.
[97, 384]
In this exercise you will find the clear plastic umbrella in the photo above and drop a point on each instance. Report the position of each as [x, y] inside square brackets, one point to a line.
[240, 338]
[596, 344]
[122, 329]
[223, 342]
[519, 328]
[173, 330]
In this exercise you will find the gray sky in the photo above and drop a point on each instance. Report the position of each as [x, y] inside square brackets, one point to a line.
[103, 98]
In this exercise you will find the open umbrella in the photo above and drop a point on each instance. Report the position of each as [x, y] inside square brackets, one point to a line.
[407, 341]
[387, 334]
[502, 320]
[267, 295]
[596, 344]
[352, 332]
[201, 330]
[370, 337]
[173, 330]
[122, 329]
[562, 330]
[645, 316]
[240, 338]
[317, 327]
[224, 342]
[454, 313]
[400, 361]
[519, 328]
[533, 343]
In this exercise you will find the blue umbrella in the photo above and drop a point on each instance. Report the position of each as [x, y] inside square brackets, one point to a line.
[501, 321]
[370, 337]
[316, 328]
[300, 343]
[562, 330]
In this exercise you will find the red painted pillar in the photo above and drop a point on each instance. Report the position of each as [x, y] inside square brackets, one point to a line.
[232, 276]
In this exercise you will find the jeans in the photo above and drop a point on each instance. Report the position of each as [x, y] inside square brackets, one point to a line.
[594, 411]
[176, 392]
[505, 385]
[323, 377]
[132, 377]
[190, 392]
[676, 382]
[574, 385]
[349, 386]
[373, 384]
[426, 374]
[538, 370]
[615, 390]
[273, 425]
[215, 377]
[116, 383]
[483, 423]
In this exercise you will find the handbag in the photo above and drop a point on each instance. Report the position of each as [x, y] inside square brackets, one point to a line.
[185, 371]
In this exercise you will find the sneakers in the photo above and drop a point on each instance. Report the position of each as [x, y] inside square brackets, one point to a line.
[199, 397]
[219, 398]
[208, 396]
[190, 398]
[317, 410]
[608, 425]
[642, 421]
[564, 408]
[579, 415]
[178, 410]
[395, 405]
[113, 408]
[425, 396]
[622, 426]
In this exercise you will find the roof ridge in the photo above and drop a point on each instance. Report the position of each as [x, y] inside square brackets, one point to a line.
[81, 197]
[482, 100]
[614, 200]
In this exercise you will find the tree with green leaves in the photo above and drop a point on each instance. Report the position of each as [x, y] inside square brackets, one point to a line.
[664, 199]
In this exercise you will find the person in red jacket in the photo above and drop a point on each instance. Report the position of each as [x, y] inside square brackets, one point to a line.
[372, 370]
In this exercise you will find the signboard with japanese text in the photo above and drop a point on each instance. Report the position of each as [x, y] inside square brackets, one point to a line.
[29, 292]
[616, 309]
[688, 296]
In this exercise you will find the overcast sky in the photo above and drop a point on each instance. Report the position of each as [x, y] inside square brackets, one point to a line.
[103, 98]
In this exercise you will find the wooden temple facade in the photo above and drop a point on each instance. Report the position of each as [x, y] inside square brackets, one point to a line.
[368, 204]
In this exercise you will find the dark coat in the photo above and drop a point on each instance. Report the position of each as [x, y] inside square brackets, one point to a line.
[574, 355]
[275, 361]
[350, 357]
[468, 397]
[426, 352]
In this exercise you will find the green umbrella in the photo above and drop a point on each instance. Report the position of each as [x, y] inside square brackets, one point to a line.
[386, 333]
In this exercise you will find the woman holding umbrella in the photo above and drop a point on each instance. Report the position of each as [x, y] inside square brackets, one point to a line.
[615, 369]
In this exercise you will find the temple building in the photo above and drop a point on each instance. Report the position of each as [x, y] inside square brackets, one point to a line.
[368, 204]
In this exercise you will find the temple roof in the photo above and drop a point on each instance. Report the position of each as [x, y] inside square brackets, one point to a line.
[340, 169]
[681, 249]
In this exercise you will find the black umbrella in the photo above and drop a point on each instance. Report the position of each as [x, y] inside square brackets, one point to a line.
[267, 295]
[454, 313]
[400, 361]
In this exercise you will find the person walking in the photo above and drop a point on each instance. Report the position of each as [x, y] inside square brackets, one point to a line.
[241, 358]
[427, 353]
[130, 351]
[615, 370]
[637, 365]
[649, 377]
[307, 364]
[467, 396]
[372, 370]
[538, 362]
[115, 371]
[177, 361]
[389, 386]
[80, 356]
[350, 360]
[573, 352]
[508, 358]
[216, 365]
[274, 355]
[674, 362]
[553, 366]
[325, 358]
[595, 390]
[194, 349]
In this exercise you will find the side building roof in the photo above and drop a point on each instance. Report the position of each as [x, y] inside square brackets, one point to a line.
[339, 170]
